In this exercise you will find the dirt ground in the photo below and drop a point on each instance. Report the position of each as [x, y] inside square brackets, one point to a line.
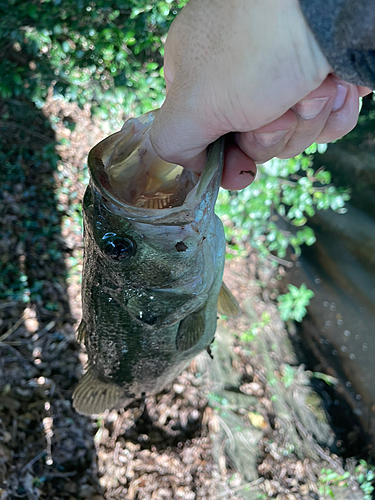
[243, 425]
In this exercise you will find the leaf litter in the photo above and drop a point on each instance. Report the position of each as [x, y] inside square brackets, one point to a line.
[231, 427]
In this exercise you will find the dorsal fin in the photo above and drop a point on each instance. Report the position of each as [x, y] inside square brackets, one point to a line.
[81, 332]
[92, 396]
[227, 303]
[190, 331]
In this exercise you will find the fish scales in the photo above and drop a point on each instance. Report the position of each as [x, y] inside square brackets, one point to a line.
[153, 265]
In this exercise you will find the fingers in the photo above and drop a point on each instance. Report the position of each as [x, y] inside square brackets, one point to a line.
[343, 119]
[239, 169]
[296, 130]
[268, 141]
[364, 91]
[324, 115]
[178, 134]
[182, 135]
[312, 114]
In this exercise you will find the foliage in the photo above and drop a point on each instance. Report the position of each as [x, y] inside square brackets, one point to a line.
[328, 379]
[328, 478]
[108, 54]
[364, 475]
[256, 328]
[364, 129]
[104, 54]
[284, 193]
[292, 305]
[288, 375]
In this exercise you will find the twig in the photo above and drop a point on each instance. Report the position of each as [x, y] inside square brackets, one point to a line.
[281, 261]
[13, 328]
[32, 462]
[251, 484]
[317, 448]
[17, 353]
[8, 304]
[47, 328]
[61, 474]
[27, 130]
[294, 184]
[288, 183]
[228, 433]
[334, 463]
[58, 349]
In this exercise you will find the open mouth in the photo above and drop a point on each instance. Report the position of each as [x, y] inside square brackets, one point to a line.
[126, 166]
[143, 180]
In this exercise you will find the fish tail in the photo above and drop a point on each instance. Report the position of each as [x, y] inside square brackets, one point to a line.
[93, 396]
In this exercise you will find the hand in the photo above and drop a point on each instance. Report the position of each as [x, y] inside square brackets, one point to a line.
[254, 69]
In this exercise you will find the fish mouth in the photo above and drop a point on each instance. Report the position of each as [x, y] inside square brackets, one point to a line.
[125, 168]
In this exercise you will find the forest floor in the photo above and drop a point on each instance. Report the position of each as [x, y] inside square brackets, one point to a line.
[243, 425]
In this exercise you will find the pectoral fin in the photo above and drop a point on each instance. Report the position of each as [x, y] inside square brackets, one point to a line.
[227, 304]
[190, 331]
[93, 396]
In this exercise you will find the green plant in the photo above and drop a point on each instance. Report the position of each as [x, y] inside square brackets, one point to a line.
[262, 496]
[256, 328]
[108, 54]
[328, 478]
[328, 379]
[364, 475]
[288, 375]
[271, 214]
[292, 305]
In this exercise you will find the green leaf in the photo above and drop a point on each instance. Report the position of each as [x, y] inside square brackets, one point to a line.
[292, 305]
[288, 375]
[33, 11]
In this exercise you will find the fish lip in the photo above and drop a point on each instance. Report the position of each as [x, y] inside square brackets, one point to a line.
[99, 159]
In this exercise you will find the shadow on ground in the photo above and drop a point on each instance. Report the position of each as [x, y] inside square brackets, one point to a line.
[47, 450]
[338, 334]
[44, 444]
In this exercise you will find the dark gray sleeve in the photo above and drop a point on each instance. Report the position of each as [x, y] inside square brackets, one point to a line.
[345, 31]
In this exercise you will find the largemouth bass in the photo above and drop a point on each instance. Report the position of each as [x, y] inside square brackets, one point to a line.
[153, 265]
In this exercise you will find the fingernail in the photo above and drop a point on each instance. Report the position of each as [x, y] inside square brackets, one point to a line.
[310, 108]
[267, 139]
[340, 97]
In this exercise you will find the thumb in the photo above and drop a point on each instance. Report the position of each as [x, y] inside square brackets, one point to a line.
[180, 132]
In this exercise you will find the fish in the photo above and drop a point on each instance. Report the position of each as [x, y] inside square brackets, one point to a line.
[154, 254]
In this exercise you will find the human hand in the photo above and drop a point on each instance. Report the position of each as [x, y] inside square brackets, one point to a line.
[252, 68]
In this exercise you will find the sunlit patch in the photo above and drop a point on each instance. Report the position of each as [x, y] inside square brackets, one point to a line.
[48, 432]
[37, 354]
[31, 323]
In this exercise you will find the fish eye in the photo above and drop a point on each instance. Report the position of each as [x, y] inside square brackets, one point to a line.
[118, 248]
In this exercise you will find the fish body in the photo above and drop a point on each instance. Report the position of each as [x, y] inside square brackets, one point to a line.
[153, 264]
